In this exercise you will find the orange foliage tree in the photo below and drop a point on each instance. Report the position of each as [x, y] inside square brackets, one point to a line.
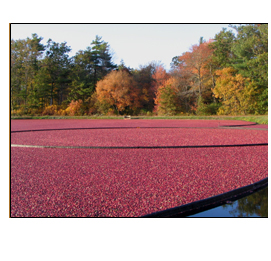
[197, 62]
[75, 108]
[117, 90]
[160, 76]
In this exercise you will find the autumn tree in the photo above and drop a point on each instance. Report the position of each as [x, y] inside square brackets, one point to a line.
[196, 61]
[159, 76]
[194, 71]
[117, 91]
[230, 71]
[246, 51]
[75, 108]
[236, 93]
[167, 99]
[182, 77]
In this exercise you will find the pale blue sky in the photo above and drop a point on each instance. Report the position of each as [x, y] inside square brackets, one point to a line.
[136, 44]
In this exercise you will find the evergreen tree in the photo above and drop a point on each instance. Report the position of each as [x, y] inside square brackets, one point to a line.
[222, 46]
[146, 86]
[25, 61]
[101, 59]
[82, 85]
[251, 50]
[53, 75]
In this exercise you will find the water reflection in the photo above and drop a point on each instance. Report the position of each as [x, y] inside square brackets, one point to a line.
[254, 205]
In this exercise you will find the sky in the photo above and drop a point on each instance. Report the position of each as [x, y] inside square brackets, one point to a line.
[135, 44]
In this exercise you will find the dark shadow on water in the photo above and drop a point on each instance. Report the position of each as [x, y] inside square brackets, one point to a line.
[254, 205]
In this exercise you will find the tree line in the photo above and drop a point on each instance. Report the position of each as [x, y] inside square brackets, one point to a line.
[227, 75]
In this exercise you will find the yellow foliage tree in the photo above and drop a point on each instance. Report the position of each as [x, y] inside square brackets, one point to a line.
[235, 92]
[50, 110]
[167, 97]
[118, 90]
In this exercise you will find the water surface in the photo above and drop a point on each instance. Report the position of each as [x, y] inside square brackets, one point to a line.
[254, 205]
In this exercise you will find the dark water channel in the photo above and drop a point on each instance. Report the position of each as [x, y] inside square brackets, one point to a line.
[254, 205]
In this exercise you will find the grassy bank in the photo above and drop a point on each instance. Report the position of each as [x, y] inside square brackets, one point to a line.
[261, 119]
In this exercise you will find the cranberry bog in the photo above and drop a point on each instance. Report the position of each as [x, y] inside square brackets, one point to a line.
[131, 168]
